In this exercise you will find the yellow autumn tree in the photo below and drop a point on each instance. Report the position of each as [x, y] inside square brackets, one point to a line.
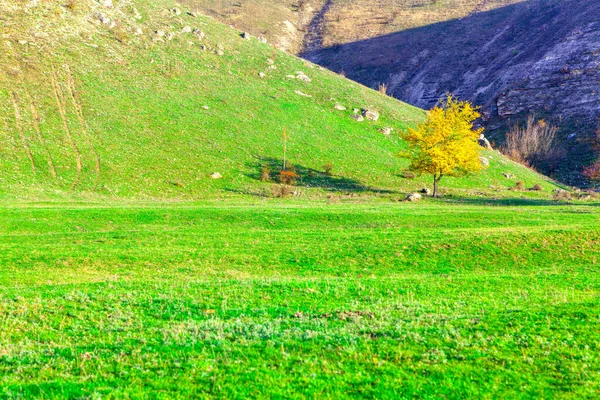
[446, 143]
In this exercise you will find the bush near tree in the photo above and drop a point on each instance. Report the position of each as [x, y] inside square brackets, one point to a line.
[593, 172]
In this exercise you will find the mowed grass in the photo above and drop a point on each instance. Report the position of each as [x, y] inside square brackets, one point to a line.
[295, 300]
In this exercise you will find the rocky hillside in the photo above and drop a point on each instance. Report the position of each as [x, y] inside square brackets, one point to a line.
[540, 57]
[305, 25]
[513, 57]
[136, 99]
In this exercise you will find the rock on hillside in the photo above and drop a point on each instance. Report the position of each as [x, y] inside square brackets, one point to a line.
[539, 57]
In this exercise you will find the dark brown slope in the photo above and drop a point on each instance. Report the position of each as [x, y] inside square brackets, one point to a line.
[539, 57]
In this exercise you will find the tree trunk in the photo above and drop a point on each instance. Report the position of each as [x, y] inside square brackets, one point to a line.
[436, 180]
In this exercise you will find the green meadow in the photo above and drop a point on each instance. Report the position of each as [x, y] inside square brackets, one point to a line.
[290, 300]
[145, 251]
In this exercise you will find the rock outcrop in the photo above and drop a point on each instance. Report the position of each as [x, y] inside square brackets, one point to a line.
[536, 57]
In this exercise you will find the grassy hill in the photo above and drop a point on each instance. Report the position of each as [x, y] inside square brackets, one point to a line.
[139, 100]
[512, 57]
[127, 271]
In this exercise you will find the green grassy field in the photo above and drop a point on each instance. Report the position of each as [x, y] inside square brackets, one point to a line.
[126, 271]
[276, 299]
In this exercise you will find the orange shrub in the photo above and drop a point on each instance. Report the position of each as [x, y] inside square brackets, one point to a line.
[288, 177]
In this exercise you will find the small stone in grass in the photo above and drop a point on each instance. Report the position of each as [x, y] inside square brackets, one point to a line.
[414, 197]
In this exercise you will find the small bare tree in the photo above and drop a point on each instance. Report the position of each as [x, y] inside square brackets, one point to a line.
[286, 136]
[534, 144]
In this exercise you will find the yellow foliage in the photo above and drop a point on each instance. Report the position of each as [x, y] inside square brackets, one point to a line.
[445, 144]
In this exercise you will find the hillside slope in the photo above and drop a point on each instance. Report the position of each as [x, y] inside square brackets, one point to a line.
[537, 57]
[299, 26]
[147, 100]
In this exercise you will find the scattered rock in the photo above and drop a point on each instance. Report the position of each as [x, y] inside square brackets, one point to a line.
[262, 39]
[483, 142]
[484, 161]
[270, 61]
[199, 33]
[187, 29]
[159, 33]
[206, 107]
[262, 75]
[170, 36]
[561, 194]
[104, 19]
[572, 136]
[220, 53]
[302, 76]
[426, 191]
[192, 14]
[216, 175]
[106, 3]
[137, 14]
[298, 92]
[386, 131]
[339, 107]
[138, 31]
[290, 76]
[246, 36]
[358, 117]
[508, 175]
[414, 197]
[371, 115]
[176, 11]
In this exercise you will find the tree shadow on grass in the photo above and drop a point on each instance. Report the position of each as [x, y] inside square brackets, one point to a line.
[309, 177]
